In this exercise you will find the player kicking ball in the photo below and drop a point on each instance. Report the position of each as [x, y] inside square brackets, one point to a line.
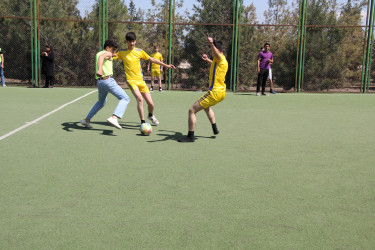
[107, 84]
[131, 58]
[216, 92]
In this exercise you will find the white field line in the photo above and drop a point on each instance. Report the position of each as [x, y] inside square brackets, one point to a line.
[44, 116]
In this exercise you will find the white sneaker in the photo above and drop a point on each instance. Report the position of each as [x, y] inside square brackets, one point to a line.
[265, 94]
[258, 94]
[153, 119]
[114, 122]
[85, 123]
[4, 85]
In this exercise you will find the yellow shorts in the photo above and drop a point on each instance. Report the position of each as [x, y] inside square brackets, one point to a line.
[138, 84]
[155, 72]
[211, 98]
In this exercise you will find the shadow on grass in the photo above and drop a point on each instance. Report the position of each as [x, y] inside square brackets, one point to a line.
[245, 93]
[175, 136]
[70, 126]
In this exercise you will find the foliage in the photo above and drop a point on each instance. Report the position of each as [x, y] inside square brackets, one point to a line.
[333, 56]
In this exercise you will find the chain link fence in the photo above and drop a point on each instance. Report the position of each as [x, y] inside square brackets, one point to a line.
[334, 40]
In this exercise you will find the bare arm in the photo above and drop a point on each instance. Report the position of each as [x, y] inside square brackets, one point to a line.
[169, 66]
[258, 65]
[205, 58]
[215, 52]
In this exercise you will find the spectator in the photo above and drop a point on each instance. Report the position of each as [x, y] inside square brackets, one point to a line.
[2, 68]
[265, 59]
[47, 66]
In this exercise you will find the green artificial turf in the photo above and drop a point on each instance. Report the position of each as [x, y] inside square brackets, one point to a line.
[288, 171]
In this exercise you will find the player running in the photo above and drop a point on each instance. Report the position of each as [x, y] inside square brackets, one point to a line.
[131, 58]
[216, 92]
[107, 84]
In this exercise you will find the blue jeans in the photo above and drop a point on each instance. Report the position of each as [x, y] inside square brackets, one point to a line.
[105, 86]
[2, 76]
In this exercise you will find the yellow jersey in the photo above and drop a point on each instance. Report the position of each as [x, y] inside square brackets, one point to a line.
[159, 57]
[218, 71]
[132, 62]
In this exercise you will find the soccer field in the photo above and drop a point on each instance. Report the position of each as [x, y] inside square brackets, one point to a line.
[287, 171]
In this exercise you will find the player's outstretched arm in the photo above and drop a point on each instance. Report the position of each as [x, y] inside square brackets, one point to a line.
[169, 66]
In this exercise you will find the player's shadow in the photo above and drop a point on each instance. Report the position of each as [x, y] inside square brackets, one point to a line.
[71, 126]
[245, 93]
[175, 136]
[130, 125]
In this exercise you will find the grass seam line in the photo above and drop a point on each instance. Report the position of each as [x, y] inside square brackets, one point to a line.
[44, 116]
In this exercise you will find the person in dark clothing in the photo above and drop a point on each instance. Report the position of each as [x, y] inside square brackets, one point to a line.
[47, 66]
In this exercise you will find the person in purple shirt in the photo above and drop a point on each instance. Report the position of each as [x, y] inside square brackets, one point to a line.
[265, 59]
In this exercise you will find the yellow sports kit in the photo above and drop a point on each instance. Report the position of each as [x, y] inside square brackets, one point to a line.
[132, 66]
[216, 92]
[155, 68]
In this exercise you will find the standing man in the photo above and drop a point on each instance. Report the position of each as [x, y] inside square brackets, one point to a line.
[131, 58]
[106, 83]
[265, 59]
[269, 76]
[48, 58]
[2, 68]
[155, 68]
[216, 92]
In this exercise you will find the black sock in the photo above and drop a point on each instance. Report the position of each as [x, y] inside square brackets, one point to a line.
[149, 114]
[191, 134]
[143, 121]
[214, 129]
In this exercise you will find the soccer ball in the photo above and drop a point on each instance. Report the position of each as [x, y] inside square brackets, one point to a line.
[145, 129]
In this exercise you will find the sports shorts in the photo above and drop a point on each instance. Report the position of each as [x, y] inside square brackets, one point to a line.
[211, 98]
[138, 84]
[155, 72]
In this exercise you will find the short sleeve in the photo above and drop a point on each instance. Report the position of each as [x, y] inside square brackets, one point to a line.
[144, 55]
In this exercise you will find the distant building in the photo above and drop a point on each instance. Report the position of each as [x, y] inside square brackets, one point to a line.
[184, 65]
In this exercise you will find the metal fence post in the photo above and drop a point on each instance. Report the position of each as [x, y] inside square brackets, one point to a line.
[369, 45]
[35, 43]
[301, 45]
[170, 28]
[103, 23]
[234, 58]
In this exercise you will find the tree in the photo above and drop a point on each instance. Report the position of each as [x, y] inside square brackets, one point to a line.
[209, 12]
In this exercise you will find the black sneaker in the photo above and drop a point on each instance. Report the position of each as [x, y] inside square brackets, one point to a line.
[186, 139]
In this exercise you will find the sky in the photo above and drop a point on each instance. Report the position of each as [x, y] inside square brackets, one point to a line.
[84, 5]
[260, 5]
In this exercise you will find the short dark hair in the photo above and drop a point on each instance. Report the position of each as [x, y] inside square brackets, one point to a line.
[218, 45]
[110, 43]
[130, 36]
[267, 44]
[48, 46]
